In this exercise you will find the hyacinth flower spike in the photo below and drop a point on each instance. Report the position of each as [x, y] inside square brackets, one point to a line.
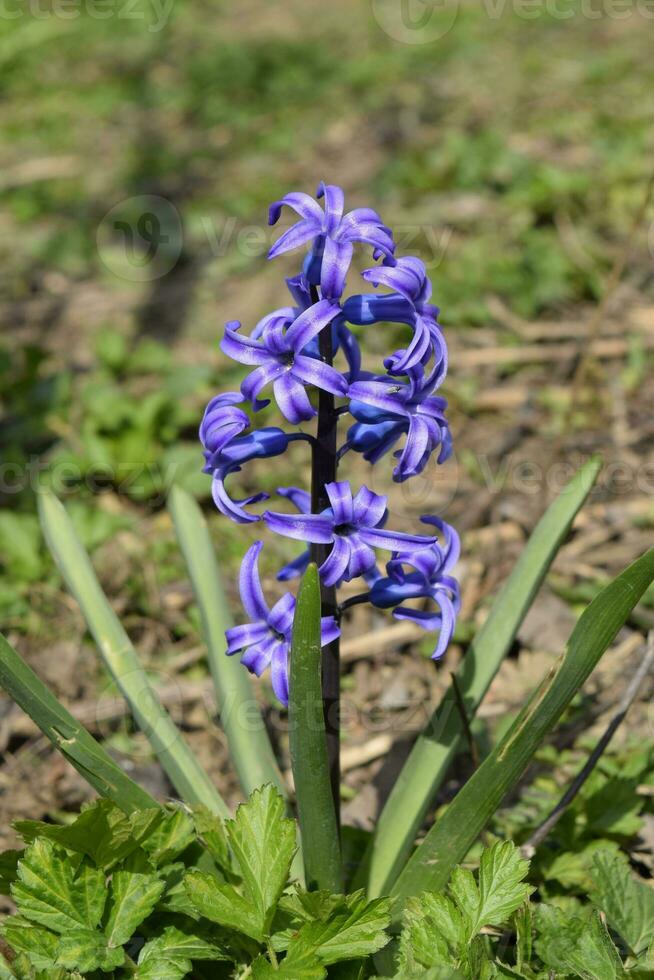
[266, 640]
[293, 350]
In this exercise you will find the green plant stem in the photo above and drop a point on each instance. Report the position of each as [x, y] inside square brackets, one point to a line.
[121, 660]
[434, 750]
[309, 758]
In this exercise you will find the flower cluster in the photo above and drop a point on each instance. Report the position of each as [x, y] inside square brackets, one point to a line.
[396, 405]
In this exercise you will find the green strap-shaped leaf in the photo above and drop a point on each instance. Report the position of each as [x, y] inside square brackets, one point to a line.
[66, 734]
[308, 743]
[249, 744]
[449, 839]
[175, 755]
[433, 752]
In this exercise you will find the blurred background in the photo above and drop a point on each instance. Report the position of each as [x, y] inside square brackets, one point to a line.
[508, 143]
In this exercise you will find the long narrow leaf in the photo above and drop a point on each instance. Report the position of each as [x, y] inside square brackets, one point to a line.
[175, 755]
[450, 838]
[68, 735]
[308, 741]
[433, 752]
[249, 744]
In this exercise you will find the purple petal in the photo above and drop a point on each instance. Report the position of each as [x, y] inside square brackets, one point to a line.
[350, 347]
[239, 637]
[340, 498]
[257, 658]
[336, 260]
[387, 397]
[257, 380]
[362, 558]
[279, 672]
[243, 349]
[283, 316]
[233, 508]
[446, 622]
[334, 203]
[300, 498]
[334, 568]
[316, 528]
[310, 322]
[294, 568]
[414, 353]
[292, 399]
[393, 540]
[281, 614]
[368, 234]
[249, 583]
[329, 630]
[215, 434]
[313, 372]
[302, 204]
[360, 216]
[369, 508]
[295, 236]
[452, 548]
[416, 452]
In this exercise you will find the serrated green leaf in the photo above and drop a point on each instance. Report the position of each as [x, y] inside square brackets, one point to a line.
[262, 840]
[627, 902]
[262, 969]
[38, 943]
[572, 868]
[86, 950]
[614, 809]
[211, 829]
[170, 838]
[501, 885]
[50, 891]
[360, 930]
[102, 832]
[223, 904]
[132, 897]
[170, 955]
[433, 928]
[577, 944]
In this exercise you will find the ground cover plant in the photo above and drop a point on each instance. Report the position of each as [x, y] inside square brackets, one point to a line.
[131, 887]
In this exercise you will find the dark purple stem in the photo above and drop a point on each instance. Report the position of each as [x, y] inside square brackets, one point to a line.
[323, 471]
